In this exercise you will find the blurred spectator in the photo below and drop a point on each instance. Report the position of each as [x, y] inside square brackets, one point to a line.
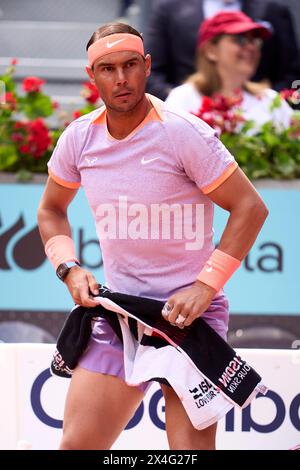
[123, 9]
[229, 49]
[172, 32]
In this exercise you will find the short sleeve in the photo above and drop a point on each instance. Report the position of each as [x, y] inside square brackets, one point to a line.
[205, 160]
[62, 165]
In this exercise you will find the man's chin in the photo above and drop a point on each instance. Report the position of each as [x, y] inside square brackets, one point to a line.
[125, 106]
[126, 103]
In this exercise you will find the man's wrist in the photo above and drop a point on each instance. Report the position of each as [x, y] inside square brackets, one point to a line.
[206, 287]
[218, 269]
[63, 269]
[60, 249]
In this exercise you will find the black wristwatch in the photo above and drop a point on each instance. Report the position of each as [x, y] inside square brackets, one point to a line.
[64, 268]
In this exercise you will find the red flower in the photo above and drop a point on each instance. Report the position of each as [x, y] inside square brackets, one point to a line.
[90, 92]
[292, 96]
[14, 61]
[222, 113]
[286, 93]
[39, 138]
[207, 104]
[18, 125]
[16, 137]
[77, 114]
[32, 84]
[24, 148]
[33, 137]
[9, 101]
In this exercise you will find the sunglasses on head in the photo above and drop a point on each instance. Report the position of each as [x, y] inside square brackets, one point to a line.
[243, 39]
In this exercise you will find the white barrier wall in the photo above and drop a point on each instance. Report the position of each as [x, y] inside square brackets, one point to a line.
[31, 404]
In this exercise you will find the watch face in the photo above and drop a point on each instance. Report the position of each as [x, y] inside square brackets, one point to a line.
[62, 271]
[64, 268]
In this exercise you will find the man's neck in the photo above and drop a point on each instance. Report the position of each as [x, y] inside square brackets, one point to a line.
[121, 124]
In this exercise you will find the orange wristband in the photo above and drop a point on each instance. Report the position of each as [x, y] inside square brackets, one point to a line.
[60, 249]
[218, 269]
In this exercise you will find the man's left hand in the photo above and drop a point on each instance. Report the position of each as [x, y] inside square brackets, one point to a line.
[188, 304]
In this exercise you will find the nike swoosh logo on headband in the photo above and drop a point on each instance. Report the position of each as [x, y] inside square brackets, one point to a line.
[111, 44]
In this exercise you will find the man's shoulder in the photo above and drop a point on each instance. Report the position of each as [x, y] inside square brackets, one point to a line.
[85, 121]
[78, 130]
[89, 118]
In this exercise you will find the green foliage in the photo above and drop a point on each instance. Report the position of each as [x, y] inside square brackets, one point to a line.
[26, 140]
[35, 105]
[268, 153]
[262, 152]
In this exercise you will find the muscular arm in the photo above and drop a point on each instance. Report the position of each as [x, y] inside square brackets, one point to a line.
[52, 211]
[247, 215]
[53, 220]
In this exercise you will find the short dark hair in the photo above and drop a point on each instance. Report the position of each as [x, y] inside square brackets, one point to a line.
[112, 28]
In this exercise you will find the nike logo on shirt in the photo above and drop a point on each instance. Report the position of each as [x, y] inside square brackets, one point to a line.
[111, 44]
[91, 161]
[144, 161]
[208, 267]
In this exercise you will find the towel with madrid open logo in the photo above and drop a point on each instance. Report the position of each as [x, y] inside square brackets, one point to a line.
[206, 373]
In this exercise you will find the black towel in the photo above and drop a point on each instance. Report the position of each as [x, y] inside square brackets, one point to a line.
[211, 355]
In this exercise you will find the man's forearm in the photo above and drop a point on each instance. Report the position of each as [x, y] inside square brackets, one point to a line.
[52, 222]
[242, 228]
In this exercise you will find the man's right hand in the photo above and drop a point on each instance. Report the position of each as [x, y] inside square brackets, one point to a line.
[80, 283]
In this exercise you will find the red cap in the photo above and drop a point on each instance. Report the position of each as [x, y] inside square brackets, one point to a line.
[229, 22]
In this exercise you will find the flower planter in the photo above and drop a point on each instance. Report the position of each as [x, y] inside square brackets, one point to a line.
[9, 178]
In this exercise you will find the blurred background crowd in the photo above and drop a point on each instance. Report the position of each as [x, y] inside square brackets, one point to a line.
[49, 38]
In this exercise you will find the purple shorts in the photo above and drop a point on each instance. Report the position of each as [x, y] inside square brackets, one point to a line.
[104, 353]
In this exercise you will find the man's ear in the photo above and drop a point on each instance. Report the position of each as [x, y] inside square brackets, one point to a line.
[90, 73]
[148, 64]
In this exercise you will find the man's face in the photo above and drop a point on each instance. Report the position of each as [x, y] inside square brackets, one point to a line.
[121, 79]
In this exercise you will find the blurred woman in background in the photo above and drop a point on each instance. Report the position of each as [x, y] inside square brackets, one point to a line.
[228, 55]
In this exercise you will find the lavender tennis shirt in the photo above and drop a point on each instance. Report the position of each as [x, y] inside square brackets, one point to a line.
[149, 194]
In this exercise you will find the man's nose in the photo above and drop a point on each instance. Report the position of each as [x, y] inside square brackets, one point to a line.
[121, 78]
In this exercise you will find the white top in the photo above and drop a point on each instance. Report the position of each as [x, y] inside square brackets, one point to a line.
[186, 98]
